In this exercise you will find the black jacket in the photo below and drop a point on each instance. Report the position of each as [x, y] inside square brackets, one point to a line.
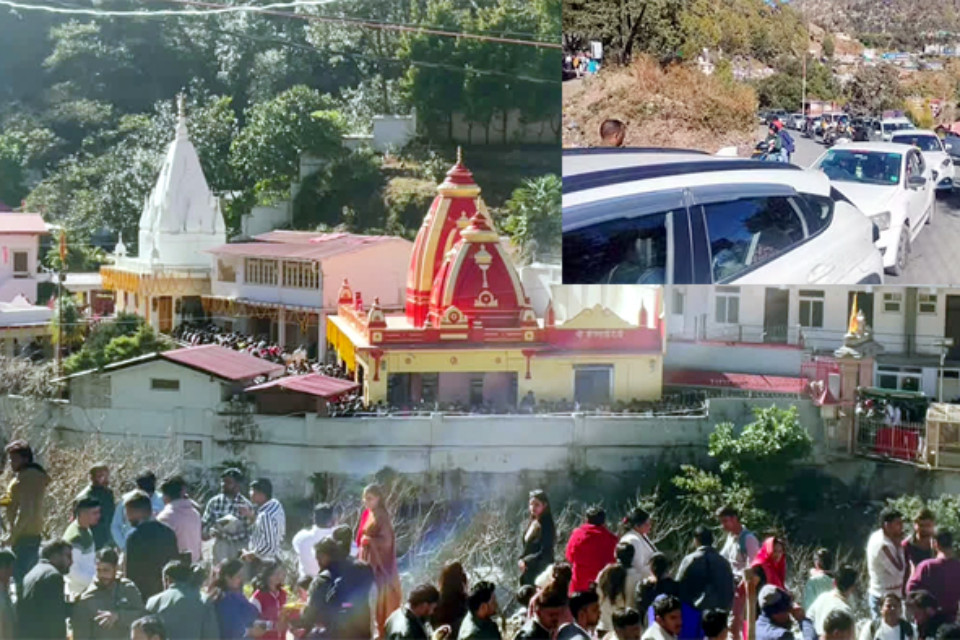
[532, 630]
[42, 611]
[538, 551]
[706, 580]
[473, 628]
[403, 625]
[340, 600]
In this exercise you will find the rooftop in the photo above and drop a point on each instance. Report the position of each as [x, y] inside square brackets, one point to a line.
[223, 363]
[22, 223]
[303, 245]
[740, 381]
[314, 384]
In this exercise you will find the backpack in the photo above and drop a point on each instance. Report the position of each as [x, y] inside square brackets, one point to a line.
[906, 630]
[742, 539]
[787, 140]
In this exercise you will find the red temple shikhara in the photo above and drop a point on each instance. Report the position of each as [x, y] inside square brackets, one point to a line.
[470, 336]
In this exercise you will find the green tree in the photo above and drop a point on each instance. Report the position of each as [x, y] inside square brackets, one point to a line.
[828, 45]
[874, 89]
[533, 217]
[74, 326]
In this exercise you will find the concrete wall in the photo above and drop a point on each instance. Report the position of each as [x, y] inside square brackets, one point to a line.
[740, 358]
[293, 448]
[516, 131]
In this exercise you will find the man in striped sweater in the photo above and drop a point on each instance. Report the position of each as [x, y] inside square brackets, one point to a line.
[269, 523]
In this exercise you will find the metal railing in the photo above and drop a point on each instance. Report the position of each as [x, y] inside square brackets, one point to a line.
[905, 442]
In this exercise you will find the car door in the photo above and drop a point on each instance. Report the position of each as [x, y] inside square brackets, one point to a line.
[916, 198]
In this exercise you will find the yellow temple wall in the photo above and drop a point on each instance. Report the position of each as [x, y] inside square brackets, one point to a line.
[552, 378]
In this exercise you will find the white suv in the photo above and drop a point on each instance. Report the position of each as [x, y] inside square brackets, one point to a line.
[668, 216]
[934, 154]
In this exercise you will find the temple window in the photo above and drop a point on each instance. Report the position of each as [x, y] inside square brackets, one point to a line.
[260, 271]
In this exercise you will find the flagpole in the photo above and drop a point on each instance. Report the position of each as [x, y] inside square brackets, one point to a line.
[63, 257]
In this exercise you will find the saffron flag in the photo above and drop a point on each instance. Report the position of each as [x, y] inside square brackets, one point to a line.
[63, 248]
[854, 326]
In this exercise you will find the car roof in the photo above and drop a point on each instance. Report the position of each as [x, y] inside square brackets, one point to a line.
[898, 119]
[913, 132]
[594, 159]
[882, 147]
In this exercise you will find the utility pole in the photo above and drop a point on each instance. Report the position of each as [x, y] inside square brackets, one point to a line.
[803, 87]
[63, 262]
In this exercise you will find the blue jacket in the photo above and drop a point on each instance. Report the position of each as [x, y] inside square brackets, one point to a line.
[767, 630]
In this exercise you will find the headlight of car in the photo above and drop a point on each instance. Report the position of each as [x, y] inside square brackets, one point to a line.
[882, 220]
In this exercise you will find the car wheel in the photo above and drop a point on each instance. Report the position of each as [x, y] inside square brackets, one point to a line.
[903, 250]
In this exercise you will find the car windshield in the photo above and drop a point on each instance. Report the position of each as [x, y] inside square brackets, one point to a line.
[865, 167]
[897, 126]
[924, 143]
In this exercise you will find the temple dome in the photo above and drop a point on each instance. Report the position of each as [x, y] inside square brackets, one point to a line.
[477, 280]
[457, 202]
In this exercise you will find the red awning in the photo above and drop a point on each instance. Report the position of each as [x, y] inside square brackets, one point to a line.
[741, 381]
[223, 363]
[314, 384]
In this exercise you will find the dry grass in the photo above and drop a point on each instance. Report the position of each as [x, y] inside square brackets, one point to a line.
[673, 107]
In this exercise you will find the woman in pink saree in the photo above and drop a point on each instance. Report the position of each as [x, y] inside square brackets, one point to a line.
[377, 543]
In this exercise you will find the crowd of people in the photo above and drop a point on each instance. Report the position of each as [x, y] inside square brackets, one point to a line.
[155, 565]
[619, 587]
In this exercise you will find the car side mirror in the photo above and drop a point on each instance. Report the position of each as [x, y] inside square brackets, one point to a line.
[915, 182]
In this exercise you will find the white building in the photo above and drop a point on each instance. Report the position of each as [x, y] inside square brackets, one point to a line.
[181, 220]
[772, 330]
[285, 285]
[19, 254]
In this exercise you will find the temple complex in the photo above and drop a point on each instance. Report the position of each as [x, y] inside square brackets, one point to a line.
[469, 334]
[181, 221]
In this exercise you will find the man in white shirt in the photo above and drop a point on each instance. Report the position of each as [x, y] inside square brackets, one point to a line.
[885, 560]
[890, 625]
[845, 583]
[668, 619]
[740, 549]
[306, 539]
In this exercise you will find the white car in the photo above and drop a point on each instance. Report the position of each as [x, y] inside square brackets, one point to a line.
[669, 216]
[796, 121]
[934, 154]
[890, 126]
[892, 185]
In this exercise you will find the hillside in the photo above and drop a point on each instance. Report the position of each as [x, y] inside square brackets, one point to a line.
[897, 22]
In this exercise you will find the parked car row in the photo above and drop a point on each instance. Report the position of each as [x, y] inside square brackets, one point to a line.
[667, 216]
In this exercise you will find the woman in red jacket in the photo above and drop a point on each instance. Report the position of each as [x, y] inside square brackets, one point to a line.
[590, 549]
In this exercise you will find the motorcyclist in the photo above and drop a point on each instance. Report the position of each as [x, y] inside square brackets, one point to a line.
[774, 142]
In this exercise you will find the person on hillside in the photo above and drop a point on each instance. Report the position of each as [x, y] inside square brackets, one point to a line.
[740, 549]
[919, 545]
[269, 523]
[548, 611]
[109, 605]
[890, 625]
[452, 607]
[940, 575]
[224, 518]
[148, 628]
[612, 133]
[181, 515]
[668, 619]
[638, 526]
[482, 607]
[377, 542]
[269, 597]
[8, 615]
[659, 583]
[614, 586]
[42, 608]
[590, 549]
[412, 621]
[704, 576]
[885, 559]
[99, 489]
[773, 558]
[585, 611]
[839, 625]
[235, 614]
[926, 614]
[184, 615]
[24, 503]
[776, 611]
[839, 598]
[820, 579]
[79, 534]
[121, 528]
[150, 546]
[539, 538]
[715, 623]
[626, 625]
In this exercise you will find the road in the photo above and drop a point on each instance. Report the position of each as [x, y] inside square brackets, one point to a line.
[933, 256]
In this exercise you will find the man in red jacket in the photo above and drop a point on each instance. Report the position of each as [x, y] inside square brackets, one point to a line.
[590, 549]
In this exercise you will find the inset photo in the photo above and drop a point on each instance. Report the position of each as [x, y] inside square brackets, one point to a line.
[756, 142]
